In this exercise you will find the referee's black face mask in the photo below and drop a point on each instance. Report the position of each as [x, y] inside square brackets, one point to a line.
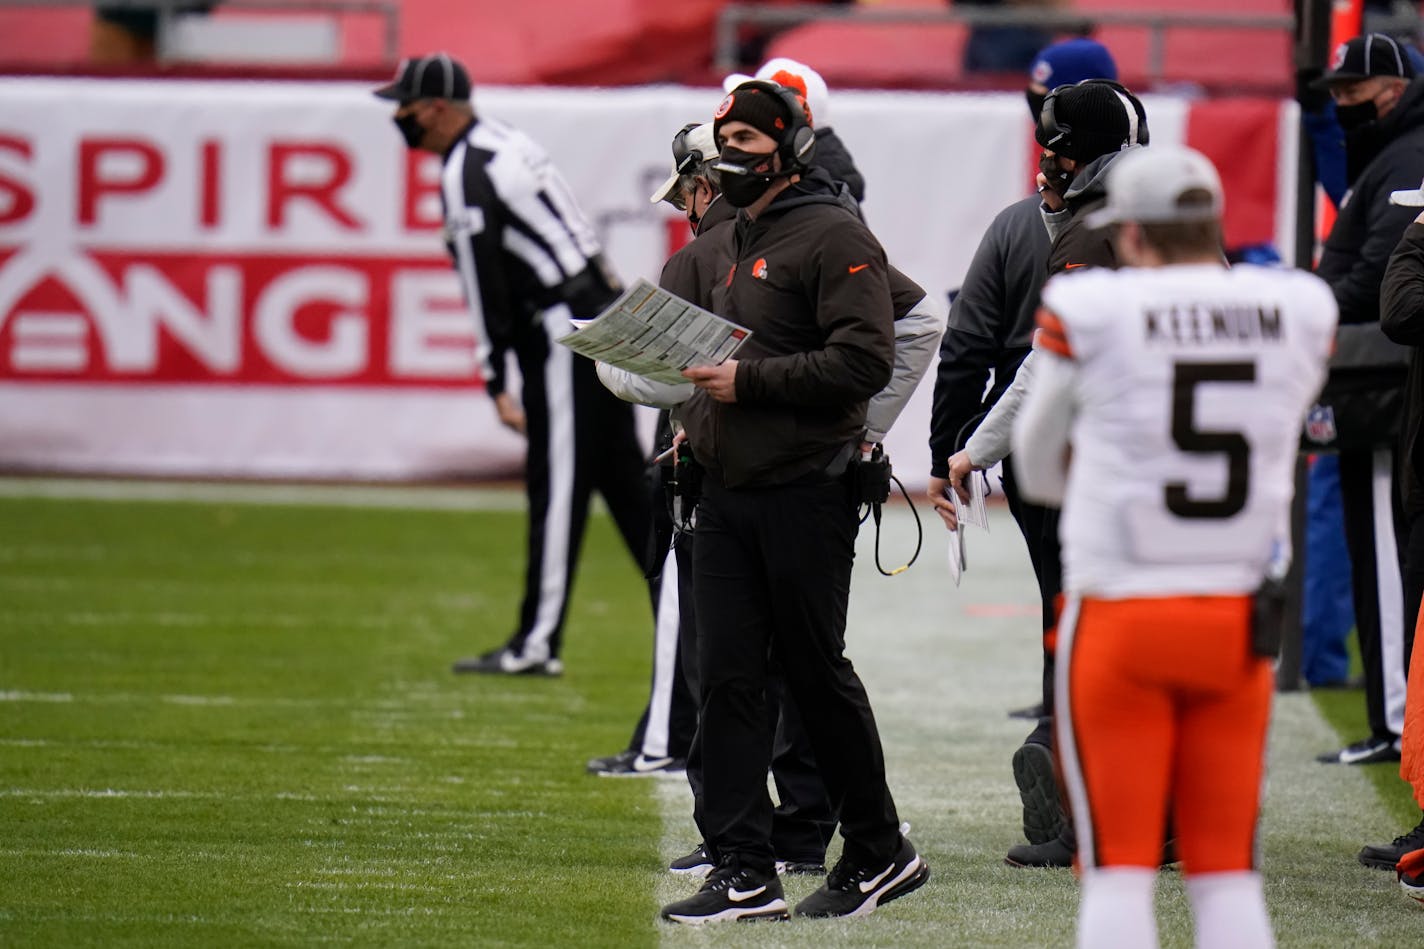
[410, 128]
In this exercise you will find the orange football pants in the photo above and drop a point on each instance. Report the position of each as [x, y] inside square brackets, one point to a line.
[1161, 703]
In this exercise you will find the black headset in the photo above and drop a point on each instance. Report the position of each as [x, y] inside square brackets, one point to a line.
[685, 158]
[1057, 136]
[798, 140]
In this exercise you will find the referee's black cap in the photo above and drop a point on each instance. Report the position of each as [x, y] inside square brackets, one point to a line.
[436, 76]
[1365, 57]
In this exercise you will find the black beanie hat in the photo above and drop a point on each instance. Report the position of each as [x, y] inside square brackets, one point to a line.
[761, 109]
[1090, 119]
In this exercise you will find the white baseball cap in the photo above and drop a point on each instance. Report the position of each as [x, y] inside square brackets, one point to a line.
[790, 73]
[690, 147]
[1146, 184]
[1409, 197]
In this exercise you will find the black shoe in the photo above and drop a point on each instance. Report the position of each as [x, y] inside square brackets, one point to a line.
[731, 892]
[611, 762]
[1056, 853]
[1385, 856]
[858, 890]
[1043, 816]
[1031, 711]
[1411, 875]
[505, 662]
[696, 863]
[1369, 751]
[801, 867]
[635, 764]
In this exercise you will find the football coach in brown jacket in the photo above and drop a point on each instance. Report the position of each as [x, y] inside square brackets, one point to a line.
[777, 430]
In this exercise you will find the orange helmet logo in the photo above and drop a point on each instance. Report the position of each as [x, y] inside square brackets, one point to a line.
[759, 268]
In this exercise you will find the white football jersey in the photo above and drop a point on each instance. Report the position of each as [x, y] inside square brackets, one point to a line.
[1182, 391]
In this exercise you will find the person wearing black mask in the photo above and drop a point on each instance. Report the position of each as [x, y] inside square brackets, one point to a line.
[529, 264]
[776, 431]
[1380, 105]
[991, 325]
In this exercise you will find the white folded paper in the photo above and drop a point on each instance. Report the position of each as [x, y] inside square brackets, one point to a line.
[652, 333]
[973, 512]
[957, 563]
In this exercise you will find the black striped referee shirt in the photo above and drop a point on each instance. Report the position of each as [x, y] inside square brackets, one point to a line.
[518, 240]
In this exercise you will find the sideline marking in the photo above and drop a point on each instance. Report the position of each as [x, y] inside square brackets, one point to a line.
[399, 496]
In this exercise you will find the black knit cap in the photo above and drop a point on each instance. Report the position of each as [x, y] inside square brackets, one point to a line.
[759, 108]
[1089, 120]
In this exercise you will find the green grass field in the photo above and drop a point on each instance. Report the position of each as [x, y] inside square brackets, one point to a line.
[234, 724]
[228, 723]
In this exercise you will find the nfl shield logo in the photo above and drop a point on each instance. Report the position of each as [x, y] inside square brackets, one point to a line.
[1320, 424]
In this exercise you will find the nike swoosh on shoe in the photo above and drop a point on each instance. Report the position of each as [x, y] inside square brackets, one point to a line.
[1348, 757]
[868, 885]
[739, 896]
[645, 765]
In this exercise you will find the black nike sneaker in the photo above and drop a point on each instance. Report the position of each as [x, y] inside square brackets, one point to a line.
[731, 891]
[697, 863]
[858, 890]
[1372, 750]
[505, 662]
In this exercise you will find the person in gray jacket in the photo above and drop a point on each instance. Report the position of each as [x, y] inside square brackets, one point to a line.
[993, 316]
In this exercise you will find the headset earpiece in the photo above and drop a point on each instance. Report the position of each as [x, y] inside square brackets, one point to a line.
[1050, 133]
[803, 145]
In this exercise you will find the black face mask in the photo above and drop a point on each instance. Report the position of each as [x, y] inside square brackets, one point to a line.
[411, 130]
[745, 175]
[1035, 103]
[1355, 117]
[1058, 179]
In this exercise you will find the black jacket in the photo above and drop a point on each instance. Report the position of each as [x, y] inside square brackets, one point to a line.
[810, 281]
[1402, 319]
[691, 272]
[990, 326]
[834, 158]
[1368, 226]
[694, 270]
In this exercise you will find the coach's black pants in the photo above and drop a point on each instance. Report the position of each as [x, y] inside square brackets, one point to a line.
[581, 439]
[1375, 532]
[1039, 526]
[772, 574]
[804, 819]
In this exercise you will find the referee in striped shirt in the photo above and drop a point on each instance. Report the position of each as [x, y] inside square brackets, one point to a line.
[529, 263]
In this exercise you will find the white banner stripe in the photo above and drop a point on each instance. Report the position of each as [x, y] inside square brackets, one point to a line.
[38, 324]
